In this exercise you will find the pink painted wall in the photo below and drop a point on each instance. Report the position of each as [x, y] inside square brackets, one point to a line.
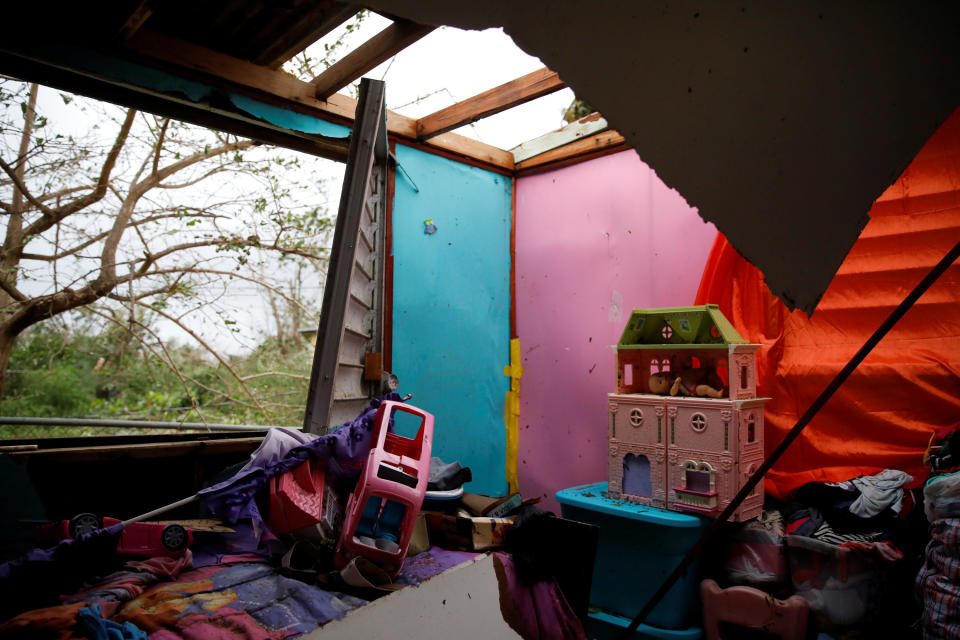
[594, 240]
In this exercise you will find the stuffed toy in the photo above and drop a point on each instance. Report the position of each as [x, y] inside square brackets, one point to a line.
[687, 381]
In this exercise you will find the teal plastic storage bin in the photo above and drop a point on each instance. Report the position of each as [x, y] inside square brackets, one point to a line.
[639, 547]
[606, 626]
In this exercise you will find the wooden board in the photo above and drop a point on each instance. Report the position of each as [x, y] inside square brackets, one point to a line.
[511, 94]
[149, 47]
[153, 450]
[351, 318]
[463, 602]
[206, 525]
[582, 128]
[579, 151]
[380, 48]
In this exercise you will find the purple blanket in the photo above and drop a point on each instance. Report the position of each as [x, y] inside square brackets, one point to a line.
[344, 451]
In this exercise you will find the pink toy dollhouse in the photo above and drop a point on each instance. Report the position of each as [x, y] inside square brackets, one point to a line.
[685, 427]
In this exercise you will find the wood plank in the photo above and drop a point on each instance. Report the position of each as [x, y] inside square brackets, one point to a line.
[579, 151]
[285, 89]
[151, 450]
[511, 94]
[464, 601]
[484, 155]
[313, 25]
[586, 126]
[135, 20]
[177, 107]
[381, 47]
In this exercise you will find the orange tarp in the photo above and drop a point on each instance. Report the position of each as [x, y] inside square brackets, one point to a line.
[884, 414]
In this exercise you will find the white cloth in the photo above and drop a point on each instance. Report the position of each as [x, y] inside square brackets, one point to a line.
[879, 492]
[276, 444]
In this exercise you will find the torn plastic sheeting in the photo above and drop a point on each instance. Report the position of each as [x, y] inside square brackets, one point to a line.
[129, 72]
[289, 119]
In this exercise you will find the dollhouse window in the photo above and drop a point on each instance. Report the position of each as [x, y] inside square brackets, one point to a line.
[714, 331]
[659, 366]
[698, 477]
[666, 332]
[636, 476]
[751, 428]
[750, 471]
[743, 377]
[636, 417]
[627, 375]
[698, 422]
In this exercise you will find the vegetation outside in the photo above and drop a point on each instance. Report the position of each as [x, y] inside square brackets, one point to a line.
[88, 373]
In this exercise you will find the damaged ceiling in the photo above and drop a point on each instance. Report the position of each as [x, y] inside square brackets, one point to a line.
[780, 122]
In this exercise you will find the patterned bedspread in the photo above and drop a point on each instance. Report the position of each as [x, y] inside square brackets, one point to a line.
[230, 601]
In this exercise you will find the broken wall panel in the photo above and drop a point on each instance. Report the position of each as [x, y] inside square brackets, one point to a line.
[594, 241]
[451, 307]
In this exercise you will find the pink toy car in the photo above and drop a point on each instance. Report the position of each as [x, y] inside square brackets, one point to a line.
[137, 539]
[383, 509]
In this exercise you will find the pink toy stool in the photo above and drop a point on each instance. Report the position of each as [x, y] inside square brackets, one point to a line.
[753, 609]
[382, 510]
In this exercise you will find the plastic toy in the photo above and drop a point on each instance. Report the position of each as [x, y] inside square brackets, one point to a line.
[301, 498]
[752, 610]
[690, 379]
[382, 511]
[146, 539]
[685, 426]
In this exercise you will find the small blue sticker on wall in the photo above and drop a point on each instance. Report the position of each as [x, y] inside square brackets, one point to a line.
[428, 227]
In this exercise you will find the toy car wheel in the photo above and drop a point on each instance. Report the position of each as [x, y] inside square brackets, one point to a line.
[174, 537]
[84, 523]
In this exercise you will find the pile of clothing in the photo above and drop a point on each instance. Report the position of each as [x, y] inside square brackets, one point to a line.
[831, 543]
[861, 513]
[938, 582]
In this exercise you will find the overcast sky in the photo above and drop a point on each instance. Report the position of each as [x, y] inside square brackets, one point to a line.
[447, 66]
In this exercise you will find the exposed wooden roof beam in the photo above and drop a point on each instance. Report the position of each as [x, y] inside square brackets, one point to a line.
[59, 76]
[324, 17]
[585, 126]
[578, 151]
[392, 40]
[283, 88]
[135, 20]
[508, 95]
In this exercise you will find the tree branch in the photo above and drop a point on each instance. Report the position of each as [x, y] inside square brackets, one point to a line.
[276, 373]
[68, 252]
[266, 414]
[168, 361]
[7, 285]
[52, 216]
[159, 145]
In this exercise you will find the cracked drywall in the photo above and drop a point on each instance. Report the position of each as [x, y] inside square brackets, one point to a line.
[780, 122]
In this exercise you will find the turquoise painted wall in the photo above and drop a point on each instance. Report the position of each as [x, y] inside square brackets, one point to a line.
[451, 307]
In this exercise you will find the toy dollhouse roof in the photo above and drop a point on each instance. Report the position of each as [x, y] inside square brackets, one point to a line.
[679, 328]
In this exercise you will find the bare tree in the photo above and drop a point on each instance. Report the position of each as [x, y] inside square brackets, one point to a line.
[140, 218]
